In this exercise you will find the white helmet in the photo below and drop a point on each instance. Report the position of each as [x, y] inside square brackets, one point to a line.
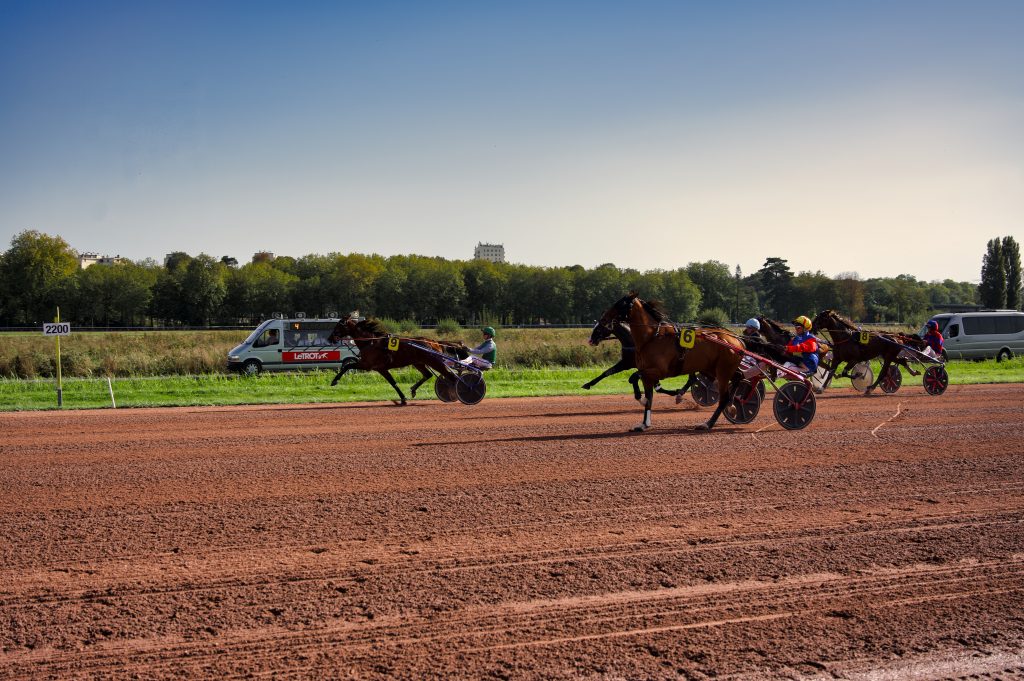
[754, 324]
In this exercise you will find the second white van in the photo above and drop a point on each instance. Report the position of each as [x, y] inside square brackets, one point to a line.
[982, 335]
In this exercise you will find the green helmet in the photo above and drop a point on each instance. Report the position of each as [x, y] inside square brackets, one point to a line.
[489, 330]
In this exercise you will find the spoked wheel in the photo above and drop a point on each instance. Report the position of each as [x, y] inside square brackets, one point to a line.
[892, 380]
[705, 390]
[862, 376]
[794, 405]
[747, 400]
[470, 388]
[444, 388]
[936, 380]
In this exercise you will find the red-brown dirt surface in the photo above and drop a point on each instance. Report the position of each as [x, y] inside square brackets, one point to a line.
[520, 538]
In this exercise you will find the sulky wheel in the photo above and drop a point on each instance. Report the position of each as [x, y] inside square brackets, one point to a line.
[936, 380]
[444, 388]
[892, 380]
[705, 390]
[747, 400]
[794, 405]
[861, 377]
[470, 388]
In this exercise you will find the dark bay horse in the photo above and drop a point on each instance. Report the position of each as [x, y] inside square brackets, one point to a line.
[847, 346]
[659, 355]
[627, 361]
[372, 340]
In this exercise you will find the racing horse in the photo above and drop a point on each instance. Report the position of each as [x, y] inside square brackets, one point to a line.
[659, 355]
[372, 340]
[627, 361]
[847, 346]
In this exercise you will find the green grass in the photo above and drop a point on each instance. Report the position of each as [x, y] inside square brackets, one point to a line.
[314, 387]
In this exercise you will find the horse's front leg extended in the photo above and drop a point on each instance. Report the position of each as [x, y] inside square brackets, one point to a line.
[342, 372]
[391, 379]
[621, 365]
[647, 402]
[634, 381]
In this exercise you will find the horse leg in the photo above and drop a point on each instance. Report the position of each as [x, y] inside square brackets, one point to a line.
[621, 365]
[881, 374]
[426, 376]
[341, 373]
[634, 380]
[726, 391]
[649, 399]
[690, 380]
[391, 379]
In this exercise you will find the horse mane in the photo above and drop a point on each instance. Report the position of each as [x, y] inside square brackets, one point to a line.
[655, 308]
[840, 318]
[775, 325]
[372, 325]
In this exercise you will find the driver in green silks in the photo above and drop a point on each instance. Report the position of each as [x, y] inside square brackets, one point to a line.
[486, 350]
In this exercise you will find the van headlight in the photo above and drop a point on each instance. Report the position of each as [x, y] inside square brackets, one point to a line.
[233, 358]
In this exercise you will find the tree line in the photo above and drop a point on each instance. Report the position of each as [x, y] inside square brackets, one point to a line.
[40, 272]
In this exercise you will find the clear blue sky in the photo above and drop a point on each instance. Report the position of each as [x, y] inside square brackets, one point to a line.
[876, 137]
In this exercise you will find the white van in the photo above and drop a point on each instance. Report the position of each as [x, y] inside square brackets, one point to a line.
[982, 335]
[289, 345]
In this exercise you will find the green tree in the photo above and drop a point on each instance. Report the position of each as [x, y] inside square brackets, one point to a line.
[486, 285]
[1011, 265]
[113, 295]
[34, 274]
[777, 284]
[202, 289]
[850, 295]
[715, 282]
[992, 289]
[813, 292]
[255, 291]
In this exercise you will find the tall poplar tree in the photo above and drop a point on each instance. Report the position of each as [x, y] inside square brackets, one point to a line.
[1011, 265]
[992, 289]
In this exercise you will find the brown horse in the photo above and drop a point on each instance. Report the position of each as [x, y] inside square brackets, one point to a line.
[375, 353]
[847, 346]
[659, 354]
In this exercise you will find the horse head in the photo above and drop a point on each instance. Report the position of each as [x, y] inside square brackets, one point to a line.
[617, 313]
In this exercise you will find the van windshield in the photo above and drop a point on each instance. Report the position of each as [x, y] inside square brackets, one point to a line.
[256, 334]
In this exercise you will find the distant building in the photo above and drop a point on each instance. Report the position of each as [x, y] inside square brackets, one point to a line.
[89, 259]
[492, 252]
[263, 256]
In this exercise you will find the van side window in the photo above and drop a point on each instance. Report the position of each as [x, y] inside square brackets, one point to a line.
[1009, 324]
[954, 331]
[979, 326]
[269, 337]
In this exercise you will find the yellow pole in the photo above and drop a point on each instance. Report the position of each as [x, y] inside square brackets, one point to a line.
[60, 387]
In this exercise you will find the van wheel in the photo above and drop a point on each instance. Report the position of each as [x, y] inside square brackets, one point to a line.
[252, 367]
[1004, 354]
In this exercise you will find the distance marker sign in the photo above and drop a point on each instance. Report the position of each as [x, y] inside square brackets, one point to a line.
[56, 329]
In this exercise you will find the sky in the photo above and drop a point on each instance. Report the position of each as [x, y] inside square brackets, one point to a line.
[881, 138]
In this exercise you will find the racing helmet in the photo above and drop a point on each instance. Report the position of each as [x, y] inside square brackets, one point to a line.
[804, 322]
[753, 324]
[489, 330]
[933, 325]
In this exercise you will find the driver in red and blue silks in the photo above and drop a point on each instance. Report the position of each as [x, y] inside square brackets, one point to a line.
[933, 338]
[804, 346]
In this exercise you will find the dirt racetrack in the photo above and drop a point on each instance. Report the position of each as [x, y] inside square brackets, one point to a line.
[520, 538]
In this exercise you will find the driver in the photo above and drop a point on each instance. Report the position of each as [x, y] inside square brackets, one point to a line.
[803, 346]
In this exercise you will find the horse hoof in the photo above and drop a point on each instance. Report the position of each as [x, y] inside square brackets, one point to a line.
[586, 386]
[730, 411]
[703, 428]
[679, 398]
[639, 429]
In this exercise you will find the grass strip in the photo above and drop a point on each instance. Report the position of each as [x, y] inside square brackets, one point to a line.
[314, 387]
